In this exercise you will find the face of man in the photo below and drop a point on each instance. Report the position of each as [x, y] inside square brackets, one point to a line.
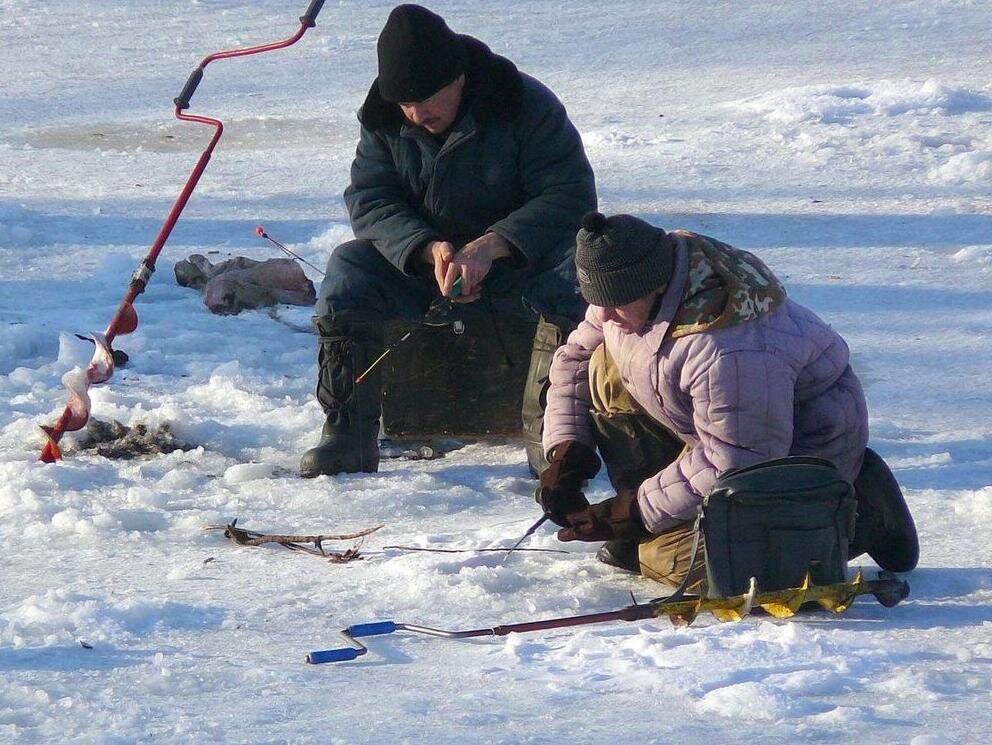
[632, 317]
[437, 113]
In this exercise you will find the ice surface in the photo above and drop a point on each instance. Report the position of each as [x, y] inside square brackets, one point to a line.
[849, 144]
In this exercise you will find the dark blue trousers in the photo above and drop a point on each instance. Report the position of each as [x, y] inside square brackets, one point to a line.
[360, 278]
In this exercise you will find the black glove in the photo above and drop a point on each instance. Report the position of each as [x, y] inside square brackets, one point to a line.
[616, 518]
[560, 491]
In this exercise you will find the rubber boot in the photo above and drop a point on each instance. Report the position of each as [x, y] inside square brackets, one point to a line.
[349, 440]
[547, 338]
[620, 554]
[884, 528]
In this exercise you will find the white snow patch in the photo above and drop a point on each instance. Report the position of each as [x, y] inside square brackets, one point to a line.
[975, 505]
[973, 255]
[61, 617]
[975, 167]
[856, 167]
[753, 702]
[840, 104]
[243, 472]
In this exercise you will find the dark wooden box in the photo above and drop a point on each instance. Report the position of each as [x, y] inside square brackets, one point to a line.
[443, 383]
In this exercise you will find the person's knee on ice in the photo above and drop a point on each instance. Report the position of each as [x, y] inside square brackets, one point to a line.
[699, 340]
[884, 528]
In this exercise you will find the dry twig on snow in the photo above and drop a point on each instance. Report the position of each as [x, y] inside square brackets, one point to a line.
[311, 544]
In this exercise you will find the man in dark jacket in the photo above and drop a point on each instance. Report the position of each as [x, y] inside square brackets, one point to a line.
[466, 169]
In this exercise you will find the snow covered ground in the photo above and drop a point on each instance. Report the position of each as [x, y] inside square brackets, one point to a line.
[849, 144]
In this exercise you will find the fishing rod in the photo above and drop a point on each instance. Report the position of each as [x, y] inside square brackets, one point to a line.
[439, 307]
[682, 610]
[260, 232]
[101, 367]
[530, 531]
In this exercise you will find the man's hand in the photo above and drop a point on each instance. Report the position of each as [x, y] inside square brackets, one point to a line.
[616, 518]
[472, 264]
[560, 491]
[439, 255]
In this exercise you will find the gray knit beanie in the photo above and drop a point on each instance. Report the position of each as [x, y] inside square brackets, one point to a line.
[620, 259]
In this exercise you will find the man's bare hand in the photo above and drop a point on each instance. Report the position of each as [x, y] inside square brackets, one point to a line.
[472, 264]
[439, 255]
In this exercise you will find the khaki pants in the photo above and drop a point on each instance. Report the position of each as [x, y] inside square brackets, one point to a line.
[640, 447]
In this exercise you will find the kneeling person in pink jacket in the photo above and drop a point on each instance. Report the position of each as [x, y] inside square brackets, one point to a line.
[691, 362]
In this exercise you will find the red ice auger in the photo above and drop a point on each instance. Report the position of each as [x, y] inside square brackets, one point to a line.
[125, 320]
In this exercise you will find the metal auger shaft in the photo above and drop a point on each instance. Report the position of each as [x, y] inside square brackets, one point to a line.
[888, 589]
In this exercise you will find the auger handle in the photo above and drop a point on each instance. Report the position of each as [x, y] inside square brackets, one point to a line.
[334, 655]
[309, 19]
[182, 100]
[889, 590]
[344, 654]
[370, 629]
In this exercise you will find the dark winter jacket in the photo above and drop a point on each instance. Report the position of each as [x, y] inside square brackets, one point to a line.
[777, 384]
[512, 164]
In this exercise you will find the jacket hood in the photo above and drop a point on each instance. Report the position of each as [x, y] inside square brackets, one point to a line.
[493, 83]
[726, 287]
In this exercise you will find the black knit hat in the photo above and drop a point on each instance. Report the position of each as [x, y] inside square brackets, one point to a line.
[620, 259]
[418, 55]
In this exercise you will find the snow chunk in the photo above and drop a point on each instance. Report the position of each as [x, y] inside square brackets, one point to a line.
[141, 521]
[975, 505]
[24, 345]
[840, 104]
[61, 617]
[522, 648]
[70, 521]
[973, 254]
[243, 472]
[617, 139]
[974, 166]
[898, 97]
[754, 702]
[321, 246]
[824, 104]
[73, 351]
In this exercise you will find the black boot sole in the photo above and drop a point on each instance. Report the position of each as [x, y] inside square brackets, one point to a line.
[328, 461]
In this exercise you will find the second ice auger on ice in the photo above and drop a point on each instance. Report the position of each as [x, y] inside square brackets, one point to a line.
[101, 367]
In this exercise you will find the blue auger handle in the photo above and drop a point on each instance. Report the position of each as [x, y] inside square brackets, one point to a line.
[371, 629]
[334, 655]
[343, 654]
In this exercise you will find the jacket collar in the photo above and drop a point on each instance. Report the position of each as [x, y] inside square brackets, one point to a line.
[493, 82]
[463, 129]
[671, 300]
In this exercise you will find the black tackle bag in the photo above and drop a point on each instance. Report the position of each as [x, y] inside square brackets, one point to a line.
[775, 521]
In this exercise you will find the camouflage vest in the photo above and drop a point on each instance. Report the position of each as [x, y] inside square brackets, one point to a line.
[726, 287]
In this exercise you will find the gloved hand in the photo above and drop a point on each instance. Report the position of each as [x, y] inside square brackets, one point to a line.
[560, 490]
[616, 518]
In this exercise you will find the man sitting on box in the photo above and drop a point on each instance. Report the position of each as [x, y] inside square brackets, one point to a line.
[466, 168]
